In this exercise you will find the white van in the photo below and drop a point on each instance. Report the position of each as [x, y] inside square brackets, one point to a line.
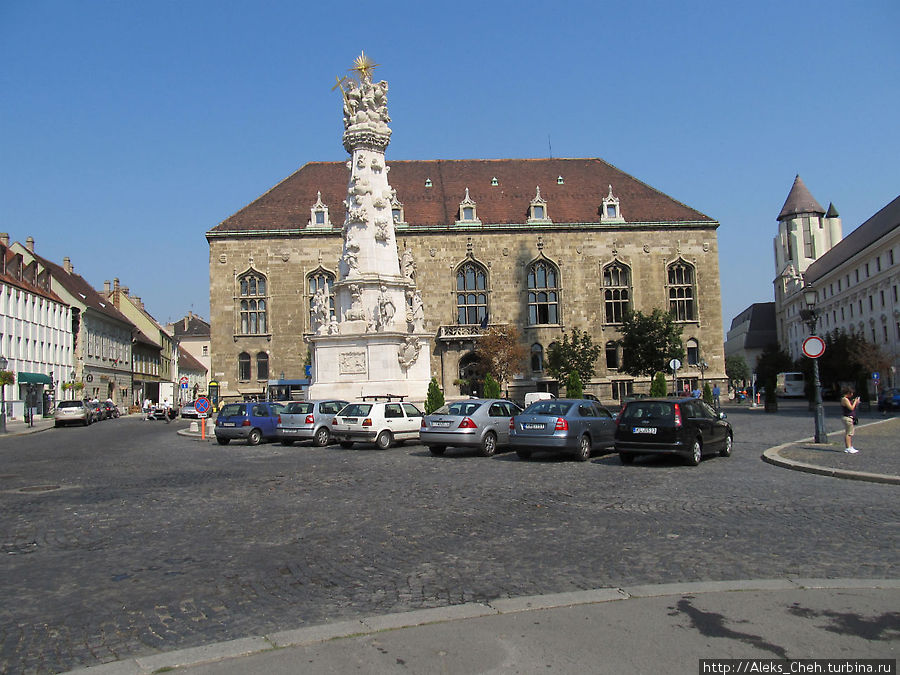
[533, 396]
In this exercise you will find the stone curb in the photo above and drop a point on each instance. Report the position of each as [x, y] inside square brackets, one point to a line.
[303, 637]
[773, 456]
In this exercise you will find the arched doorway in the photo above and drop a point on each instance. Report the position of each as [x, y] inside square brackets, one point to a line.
[471, 375]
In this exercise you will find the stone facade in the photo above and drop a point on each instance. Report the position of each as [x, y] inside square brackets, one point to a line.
[576, 239]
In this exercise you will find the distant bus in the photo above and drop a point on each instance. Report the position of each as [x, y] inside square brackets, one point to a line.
[790, 384]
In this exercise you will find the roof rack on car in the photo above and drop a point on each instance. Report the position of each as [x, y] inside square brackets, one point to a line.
[384, 397]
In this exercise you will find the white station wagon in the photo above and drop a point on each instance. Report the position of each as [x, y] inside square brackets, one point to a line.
[379, 422]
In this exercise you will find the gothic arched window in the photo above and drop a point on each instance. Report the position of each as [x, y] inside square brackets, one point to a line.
[471, 294]
[316, 280]
[681, 291]
[243, 366]
[537, 358]
[262, 366]
[253, 304]
[543, 294]
[616, 291]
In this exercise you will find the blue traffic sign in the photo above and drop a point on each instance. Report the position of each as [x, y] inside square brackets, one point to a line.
[875, 376]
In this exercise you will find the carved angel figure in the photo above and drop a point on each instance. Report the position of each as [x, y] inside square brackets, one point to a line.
[386, 309]
[356, 311]
[320, 311]
[408, 264]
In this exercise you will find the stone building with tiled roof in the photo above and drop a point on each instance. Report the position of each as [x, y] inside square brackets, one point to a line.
[546, 245]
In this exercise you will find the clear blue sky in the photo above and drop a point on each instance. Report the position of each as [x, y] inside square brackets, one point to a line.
[128, 129]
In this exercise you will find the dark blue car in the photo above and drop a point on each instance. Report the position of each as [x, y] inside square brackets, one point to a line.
[253, 421]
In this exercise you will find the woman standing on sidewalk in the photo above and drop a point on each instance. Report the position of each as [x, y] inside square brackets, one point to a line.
[848, 412]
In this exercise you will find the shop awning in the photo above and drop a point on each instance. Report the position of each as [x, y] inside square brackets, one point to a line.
[33, 378]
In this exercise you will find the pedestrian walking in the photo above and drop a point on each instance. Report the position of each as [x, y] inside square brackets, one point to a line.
[166, 409]
[716, 392]
[849, 403]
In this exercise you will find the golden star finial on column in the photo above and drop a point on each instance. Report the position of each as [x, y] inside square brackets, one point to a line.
[364, 66]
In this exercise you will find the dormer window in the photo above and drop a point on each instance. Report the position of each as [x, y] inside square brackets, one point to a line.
[494, 181]
[318, 213]
[427, 182]
[560, 181]
[397, 214]
[610, 212]
[537, 210]
[467, 211]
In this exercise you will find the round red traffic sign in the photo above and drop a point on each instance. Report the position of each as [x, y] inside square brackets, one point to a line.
[814, 346]
[201, 405]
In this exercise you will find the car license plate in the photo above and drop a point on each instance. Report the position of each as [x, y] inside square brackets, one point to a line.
[289, 431]
[440, 424]
[644, 430]
[350, 420]
[227, 424]
[532, 426]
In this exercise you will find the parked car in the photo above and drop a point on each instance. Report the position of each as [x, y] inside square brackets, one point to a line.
[379, 422]
[481, 423]
[308, 420]
[158, 412]
[188, 411]
[110, 409]
[574, 426]
[889, 399]
[252, 421]
[687, 427]
[97, 410]
[73, 412]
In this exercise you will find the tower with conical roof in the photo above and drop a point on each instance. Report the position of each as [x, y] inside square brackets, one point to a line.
[375, 344]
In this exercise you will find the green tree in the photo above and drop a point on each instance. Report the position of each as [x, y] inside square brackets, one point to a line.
[707, 394]
[491, 387]
[771, 362]
[659, 387]
[435, 398]
[578, 354]
[736, 368]
[573, 385]
[649, 342]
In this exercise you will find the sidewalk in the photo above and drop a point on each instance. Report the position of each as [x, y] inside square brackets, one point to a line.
[878, 459]
[640, 629]
[17, 427]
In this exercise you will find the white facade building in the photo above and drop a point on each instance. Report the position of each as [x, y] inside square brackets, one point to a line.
[35, 333]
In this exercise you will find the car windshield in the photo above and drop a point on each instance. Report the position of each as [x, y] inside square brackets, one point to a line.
[70, 404]
[461, 408]
[233, 410]
[299, 408]
[356, 410]
[549, 408]
[649, 411]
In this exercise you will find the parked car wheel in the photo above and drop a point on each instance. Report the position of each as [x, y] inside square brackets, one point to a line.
[489, 444]
[726, 449]
[626, 458]
[323, 436]
[347, 444]
[254, 437]
[437, 450]
[222, 441]
[696, 453]
[384, 440]
[584, 449]
[523, 453]
[287, 441]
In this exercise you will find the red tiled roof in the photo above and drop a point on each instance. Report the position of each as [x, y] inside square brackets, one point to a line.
[577, 200]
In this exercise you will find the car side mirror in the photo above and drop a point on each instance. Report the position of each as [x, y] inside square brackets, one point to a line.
[722, 415]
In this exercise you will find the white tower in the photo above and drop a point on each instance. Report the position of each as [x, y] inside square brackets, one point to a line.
[377, 343]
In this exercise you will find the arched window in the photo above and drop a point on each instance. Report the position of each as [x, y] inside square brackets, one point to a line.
[471, 295]
[253, 304]
[262, 366]
[612, 355]
[693, 352]
[543, 294]
[616, 291]
[243, 366]
[537, 358]
[681, 291]
[324, 280]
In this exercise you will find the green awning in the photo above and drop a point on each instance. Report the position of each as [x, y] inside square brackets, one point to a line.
[33, 378]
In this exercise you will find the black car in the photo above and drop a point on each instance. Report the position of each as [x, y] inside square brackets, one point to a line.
[687, 427]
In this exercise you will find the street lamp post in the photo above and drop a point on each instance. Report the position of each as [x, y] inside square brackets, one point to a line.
[3, 364]
[811, 317]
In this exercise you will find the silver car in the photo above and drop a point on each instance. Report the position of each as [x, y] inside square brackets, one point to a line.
[307, 420]
[574, 426]
[73, 412]
[481, 423]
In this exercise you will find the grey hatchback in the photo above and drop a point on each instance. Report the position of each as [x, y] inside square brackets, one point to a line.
[481, 423]
[575, 426]
[307, 420]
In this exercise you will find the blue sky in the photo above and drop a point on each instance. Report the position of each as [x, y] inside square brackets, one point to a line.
[129, 129]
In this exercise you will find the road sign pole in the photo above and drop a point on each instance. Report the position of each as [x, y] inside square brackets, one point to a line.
[203, 428]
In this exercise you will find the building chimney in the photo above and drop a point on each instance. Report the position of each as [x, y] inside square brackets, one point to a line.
[29, 244]
[67, 265]
[124, 290]
[116, 285]
[187, 320]
[4, 238]
[106, 288]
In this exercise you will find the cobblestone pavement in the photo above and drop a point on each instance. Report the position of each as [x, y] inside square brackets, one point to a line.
[124, 539]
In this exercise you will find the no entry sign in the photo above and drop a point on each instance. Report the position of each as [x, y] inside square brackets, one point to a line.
[814, 346]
